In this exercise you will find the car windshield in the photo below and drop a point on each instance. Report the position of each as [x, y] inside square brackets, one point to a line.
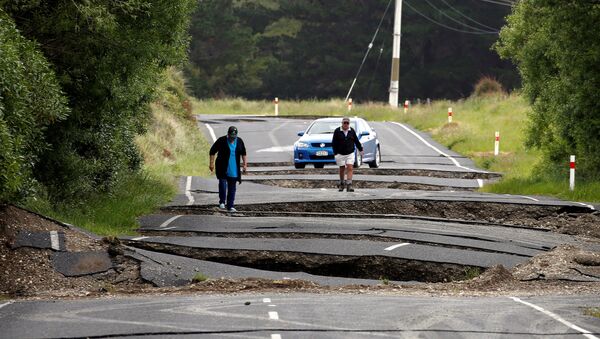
[326, 127]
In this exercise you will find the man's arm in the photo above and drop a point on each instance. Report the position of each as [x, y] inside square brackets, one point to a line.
[245, 163]
[211, 163]
[357, 142]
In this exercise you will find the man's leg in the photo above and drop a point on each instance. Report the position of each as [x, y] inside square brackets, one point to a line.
[222, 191]
[349, 180]
[342, 172]
[231, 183]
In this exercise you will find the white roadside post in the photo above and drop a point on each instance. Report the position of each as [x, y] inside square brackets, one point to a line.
[276, 102]
[349, 104]
[572, 174]
[449, 114]
[497, 144]
[406, 104]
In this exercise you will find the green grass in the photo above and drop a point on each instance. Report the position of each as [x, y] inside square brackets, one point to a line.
[199, 277]
[475, 120]
[171, 147]
[593, 311]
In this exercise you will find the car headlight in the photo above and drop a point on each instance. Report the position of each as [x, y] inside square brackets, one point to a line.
[302, 145]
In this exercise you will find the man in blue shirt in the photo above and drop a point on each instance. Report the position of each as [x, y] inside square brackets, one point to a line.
[228, 149]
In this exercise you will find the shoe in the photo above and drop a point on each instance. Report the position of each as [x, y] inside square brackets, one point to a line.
[349, 188]
[222, 206]
[232, 210]
[341, 187]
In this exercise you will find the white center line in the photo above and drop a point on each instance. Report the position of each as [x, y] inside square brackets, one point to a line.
[273, 315]
[212, 132]
[54, 244]
[188, 187]
[585, 332]
[266, 300]
[170, 220]
[139, 238]
[396, 246]
[456, 163]
[275, 336]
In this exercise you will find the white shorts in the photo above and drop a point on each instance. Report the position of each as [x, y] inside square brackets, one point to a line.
[343, 160]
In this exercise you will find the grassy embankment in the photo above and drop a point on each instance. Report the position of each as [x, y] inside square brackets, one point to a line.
[471, 133]
[171, 147]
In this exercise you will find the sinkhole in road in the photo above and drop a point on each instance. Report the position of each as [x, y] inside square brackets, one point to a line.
[301, 183]
[378, 171]
[360, 267]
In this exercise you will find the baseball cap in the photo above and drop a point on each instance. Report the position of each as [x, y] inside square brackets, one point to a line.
[232, 131]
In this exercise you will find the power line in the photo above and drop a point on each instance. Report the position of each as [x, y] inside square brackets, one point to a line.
[477, 29]
[368, 49]
[444, 25]
[467, 17]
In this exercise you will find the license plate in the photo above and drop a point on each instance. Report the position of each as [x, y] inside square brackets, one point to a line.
[322, 153]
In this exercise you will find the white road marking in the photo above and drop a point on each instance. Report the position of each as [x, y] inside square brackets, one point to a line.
[54, 244]
[6, 304]
[212, 132]
[138, 238]
[188, 187]
[530, 198]
[168, 228]
[275, 336]
[586, 205]
[272, 305]
[276, 149]
[585, 332]
[456, 163]
[480, 182]
[170, 220]
[266, 300]
[273, 315]
[396, 246]
[272, 135]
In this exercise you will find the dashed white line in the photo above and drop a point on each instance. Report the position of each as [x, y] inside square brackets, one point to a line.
[480, 183]
[266, 300]
[170, 220]
[212, 132]
[396, 246]
[54, 244]
[456, 163]
[139, 238]
[275, 336]
[273, 315]
[585, 332]
[188, 187]
[6, 304]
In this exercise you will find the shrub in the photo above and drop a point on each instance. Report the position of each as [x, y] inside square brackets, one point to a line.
[487, 86]
[30, 102]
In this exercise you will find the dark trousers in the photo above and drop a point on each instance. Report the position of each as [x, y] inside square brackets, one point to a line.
[227, 189]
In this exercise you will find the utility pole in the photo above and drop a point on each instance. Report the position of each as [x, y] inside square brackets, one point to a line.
[395, 78]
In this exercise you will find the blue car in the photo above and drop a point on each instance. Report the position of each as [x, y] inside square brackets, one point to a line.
[314, 146]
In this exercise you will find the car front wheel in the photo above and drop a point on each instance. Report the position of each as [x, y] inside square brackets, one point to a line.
[377, 161]
[357, 159]
[299, 166]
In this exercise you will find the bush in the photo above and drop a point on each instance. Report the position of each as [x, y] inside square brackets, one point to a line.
[30, 102]
[487, 86]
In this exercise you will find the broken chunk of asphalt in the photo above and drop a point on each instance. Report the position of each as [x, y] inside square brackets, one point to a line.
[54, 240]
[165, 270]
[347, 258]
[73, 264]
[528, 242]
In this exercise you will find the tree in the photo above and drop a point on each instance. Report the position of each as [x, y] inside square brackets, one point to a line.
[557, 50]
[108, 56]
[30, 102]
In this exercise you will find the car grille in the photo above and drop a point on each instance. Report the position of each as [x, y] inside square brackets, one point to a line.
[318, 144]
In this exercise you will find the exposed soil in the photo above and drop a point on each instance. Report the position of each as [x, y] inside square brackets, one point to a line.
[28, 272]
[299, 183]
[365, 170]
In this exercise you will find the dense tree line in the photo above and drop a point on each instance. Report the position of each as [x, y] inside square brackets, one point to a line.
[556, 45]
[76, 78]
[310, 48]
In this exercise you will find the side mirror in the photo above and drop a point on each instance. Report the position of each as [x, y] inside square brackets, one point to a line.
[363, 133]
[301, 133]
